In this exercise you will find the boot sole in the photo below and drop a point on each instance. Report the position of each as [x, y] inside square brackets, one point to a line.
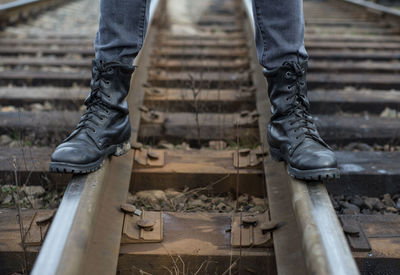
[70, 168]
[309, 175]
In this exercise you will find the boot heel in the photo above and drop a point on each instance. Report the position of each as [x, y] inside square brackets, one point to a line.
[122, 148]
[275, 154]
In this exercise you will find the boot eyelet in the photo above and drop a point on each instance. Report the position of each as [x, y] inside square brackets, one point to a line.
[110, 70]
[94, 131]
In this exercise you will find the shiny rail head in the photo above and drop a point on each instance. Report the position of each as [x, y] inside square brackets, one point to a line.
[52, 250]
[375, 7]
[17, 4]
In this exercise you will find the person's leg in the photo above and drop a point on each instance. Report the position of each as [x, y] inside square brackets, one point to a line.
[122, 29]
[292, 134]
[279, 29]
[105, 128]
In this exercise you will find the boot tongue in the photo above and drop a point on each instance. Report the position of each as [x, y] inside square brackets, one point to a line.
[111, 81]
[298, 70]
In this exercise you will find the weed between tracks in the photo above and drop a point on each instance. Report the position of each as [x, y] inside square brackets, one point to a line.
[179, 267]
[196, 200]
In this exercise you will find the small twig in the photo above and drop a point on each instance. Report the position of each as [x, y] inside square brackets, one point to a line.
[140, 270]
[237, 165]
[20, 221]
[183, 265]
[208, 187]
[230, 258]
[196, 104]
[30, 225]
[201, 266]
[169, 270]
[230, 268]
[176, 268]
[237, 192]
[240, 248]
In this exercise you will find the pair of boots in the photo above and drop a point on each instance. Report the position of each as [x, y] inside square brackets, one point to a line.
[105, 130]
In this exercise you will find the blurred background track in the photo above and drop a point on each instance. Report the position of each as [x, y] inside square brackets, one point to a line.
[195, 102]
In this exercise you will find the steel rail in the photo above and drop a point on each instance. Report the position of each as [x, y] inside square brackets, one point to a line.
[85, 235]
[377, 9]
[17, 4]
[324, 245]
[16, 10]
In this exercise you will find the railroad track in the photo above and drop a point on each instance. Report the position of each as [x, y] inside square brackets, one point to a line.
[199, 108]
[13, 12]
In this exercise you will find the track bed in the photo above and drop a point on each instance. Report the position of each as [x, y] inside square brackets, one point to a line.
[199, 111]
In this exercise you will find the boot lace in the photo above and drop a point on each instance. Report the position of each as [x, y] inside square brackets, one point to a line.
[305, 126]
[94, 102]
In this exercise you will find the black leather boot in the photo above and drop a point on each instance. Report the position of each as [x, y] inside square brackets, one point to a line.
[292, 134]
[104, 129]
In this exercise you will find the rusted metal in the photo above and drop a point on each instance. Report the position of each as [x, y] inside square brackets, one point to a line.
[153, 158]
[351, 230]
[145, 224]
[269, 226]
[76, 221]
[145, 228]
[285, 229]
[45, 219]
[246, 230]
[151, 116]
[136, 145]
[248, 220]
[128, 208]
[37, 229]
[84, 237]
[324, 244]
[153, 155]
[355, 234]
[325, 249]
[248, 158]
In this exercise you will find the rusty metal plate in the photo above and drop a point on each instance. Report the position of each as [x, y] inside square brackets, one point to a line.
[149, 158]
[246, 158]
[355, 234]
[151, 116]
[147, 228]
[246, 230]
[37, 229]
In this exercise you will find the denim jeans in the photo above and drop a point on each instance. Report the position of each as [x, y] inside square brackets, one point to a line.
[122, 29]
[279, 30]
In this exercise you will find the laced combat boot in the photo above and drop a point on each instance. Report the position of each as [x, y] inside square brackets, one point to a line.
[104, 129]
[292, 134]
